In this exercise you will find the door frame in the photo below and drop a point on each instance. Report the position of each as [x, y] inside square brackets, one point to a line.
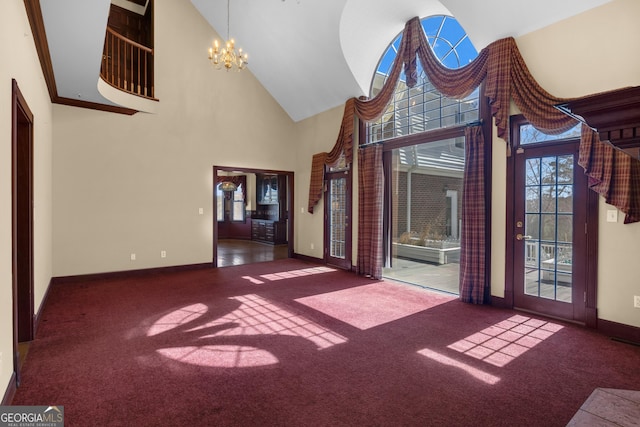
[591, 224]
[21, 222]
[290, 204]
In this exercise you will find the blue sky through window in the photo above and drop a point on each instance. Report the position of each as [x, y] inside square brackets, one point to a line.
[447, 38]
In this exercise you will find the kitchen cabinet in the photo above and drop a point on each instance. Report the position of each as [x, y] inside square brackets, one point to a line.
[267, 231]
[269, 221]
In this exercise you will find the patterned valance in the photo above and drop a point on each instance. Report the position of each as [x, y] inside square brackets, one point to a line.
[506, 76]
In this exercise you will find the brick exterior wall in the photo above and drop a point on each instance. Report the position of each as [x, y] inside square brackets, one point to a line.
[428, 204]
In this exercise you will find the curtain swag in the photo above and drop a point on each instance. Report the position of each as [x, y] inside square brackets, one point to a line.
[506, 77]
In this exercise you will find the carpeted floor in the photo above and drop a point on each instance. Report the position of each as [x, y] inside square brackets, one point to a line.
[288, 343]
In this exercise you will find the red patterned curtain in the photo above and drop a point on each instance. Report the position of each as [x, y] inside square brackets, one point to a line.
[506, 77]
[370, 194]
[318, 162]
[500, 66]
[474, 287]
[612, 173]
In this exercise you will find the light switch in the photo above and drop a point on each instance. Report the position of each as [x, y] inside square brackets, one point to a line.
[200, 211]
[612, 215]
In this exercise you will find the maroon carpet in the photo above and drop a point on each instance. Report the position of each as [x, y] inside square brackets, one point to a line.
[289, 343]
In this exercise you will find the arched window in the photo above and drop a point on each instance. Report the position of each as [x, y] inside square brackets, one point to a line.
[423, 107]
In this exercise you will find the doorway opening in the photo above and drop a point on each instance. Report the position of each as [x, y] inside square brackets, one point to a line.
[22, 225]
[253, 215]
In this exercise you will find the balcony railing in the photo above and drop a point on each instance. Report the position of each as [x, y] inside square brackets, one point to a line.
[127, 65]
[537, 253]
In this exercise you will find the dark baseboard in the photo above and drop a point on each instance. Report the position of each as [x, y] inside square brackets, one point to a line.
[10, 392]
[619, 331]
[154, 270]
[308, 258]
[500, 302]
[37, 316]
[591, 315]
[129, 273]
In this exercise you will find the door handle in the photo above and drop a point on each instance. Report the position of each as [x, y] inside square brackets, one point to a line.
[519, 236]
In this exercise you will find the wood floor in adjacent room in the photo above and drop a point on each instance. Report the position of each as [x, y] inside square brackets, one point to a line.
[240, 252]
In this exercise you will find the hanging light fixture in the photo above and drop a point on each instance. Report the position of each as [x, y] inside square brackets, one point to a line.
[228, 186]
[227, 57]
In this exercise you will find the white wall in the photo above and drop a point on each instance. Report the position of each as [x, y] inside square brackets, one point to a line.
[134, 184]
[20, 62]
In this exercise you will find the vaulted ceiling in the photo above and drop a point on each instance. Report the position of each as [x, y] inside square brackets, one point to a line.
[325, 51]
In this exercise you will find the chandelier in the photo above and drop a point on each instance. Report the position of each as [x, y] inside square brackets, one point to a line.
[227, 57]
[228, 186]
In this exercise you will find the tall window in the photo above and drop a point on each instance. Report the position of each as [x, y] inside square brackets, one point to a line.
[426, 178]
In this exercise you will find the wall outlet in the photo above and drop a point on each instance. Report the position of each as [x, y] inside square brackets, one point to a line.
[133, 257]
[636, 301]
[163, 254]
[312, 246]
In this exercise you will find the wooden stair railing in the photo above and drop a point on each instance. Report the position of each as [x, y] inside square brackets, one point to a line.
[127, 65]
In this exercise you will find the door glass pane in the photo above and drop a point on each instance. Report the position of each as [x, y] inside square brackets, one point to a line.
[426, 203]
[565, 198]
[548, 197]
[565, 169]
[548, 235]
[533, 199]
[533, 171]
[337, 220]
[548, 170]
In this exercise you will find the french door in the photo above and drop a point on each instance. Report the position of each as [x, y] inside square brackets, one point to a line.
[337, 219]
[550, 231]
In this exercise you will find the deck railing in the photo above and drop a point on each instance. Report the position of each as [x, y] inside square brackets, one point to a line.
[127, 65]
[537, 252]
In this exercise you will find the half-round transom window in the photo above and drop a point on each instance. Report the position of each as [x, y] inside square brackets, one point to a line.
[423, 107]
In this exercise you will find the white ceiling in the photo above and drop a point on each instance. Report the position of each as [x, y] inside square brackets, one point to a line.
[311, 55]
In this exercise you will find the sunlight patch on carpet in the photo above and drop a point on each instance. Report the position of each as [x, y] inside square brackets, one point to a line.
[221, 356]
[177, 318]
[474, 372]
[501, 343]
[254, 320]
[292, 274]
[289, 274]
[368, 306]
